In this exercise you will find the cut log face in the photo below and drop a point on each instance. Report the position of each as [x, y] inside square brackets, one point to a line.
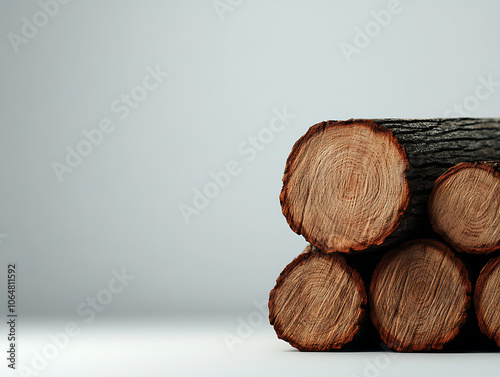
[487, 300]
[419, 296]
[464, 207]
[345, 186]
[317, 302]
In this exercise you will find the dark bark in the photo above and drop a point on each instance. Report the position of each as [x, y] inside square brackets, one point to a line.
[432, 147]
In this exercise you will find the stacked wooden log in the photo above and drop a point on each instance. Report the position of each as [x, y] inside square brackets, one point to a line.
[403, 221]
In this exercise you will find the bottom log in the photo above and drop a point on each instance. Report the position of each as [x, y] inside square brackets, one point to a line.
[318, 302]
[487, 299]
[419, 296]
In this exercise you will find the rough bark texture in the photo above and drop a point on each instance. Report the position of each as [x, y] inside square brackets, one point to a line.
[432, 146]
[344, 186]
[419, 296]
[487, 299]
[464, 207]
[318, 302]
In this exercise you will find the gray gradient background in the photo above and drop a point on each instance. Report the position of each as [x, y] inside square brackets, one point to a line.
[119, 208]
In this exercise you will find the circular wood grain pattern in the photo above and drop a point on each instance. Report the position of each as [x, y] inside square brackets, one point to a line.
[317, 302]
[419, 296]
[464, 207]
[487, 300]
[345, 186]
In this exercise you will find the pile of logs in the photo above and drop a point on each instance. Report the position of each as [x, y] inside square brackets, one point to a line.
[403, 221]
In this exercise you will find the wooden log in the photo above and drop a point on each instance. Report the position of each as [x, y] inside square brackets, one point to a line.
[464, 207]
[318, 302]
[487, 300]
[419, 296]
[344, 186]
[349, 206]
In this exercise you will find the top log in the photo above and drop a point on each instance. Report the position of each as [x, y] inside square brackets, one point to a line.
[464, 207]
[346, 183]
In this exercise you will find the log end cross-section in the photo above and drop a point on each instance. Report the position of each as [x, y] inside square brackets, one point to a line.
[487, 300]
[318, 302]
[345, 186]
[419, 296]
[464, 207]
